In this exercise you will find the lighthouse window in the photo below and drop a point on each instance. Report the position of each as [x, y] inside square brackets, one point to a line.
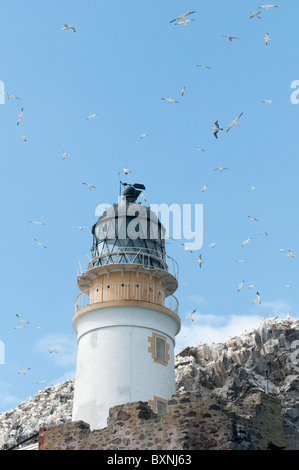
[160, 349]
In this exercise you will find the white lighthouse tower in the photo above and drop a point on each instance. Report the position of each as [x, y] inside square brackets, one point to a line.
[126, 316]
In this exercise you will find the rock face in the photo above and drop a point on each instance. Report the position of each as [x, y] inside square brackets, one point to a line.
[263, 360]
[266, 359]
[52, 405]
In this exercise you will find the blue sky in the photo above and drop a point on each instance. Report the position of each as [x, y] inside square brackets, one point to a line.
[123, 58]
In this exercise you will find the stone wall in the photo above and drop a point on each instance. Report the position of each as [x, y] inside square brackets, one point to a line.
[191, 423]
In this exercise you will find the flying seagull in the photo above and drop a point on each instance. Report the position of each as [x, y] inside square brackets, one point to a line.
[89, 185]
[246, 241]
[264, 232]
[184, 21]
[199, 148]
[200, 261]
[64, 155]
[170, 100]
[255, 15]
[257, 300]
[191, 316]
[39, 243]
[252, 187]
[51, 351]
[24, 138]
[20, 319]
[230, 38]
[235, 122]
[220, 169]
[240, 286]
[290, 254]
[8, 95]
[267, 39]
[252, 218]
[66, 26]
[216, 129]
[126, 171]
[183, 91]
[268, 101]
[35, 222]
[186, 248]
[92, 116]
[80, 228]
[268, 6]
[212, 244]
[204, 188]
[203, 66]
[20, 116]
[143, 135]
[182, 17]
[24, 371]
[241, 261]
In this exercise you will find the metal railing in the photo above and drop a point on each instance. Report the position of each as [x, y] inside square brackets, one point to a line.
[127, 291]
[149, 259]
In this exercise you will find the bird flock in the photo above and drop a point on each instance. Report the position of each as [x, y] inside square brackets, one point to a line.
[217, 130]
[183, 19]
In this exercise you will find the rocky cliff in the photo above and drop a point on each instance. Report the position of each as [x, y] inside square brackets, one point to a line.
[263, 360]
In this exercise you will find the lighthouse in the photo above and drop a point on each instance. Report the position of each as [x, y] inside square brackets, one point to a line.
[126, 316]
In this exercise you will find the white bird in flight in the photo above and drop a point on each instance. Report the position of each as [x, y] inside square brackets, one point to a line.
[200, 261]
[21, 321]
[216, 129]
[183, 91]
[143, 135]
[89, 185]
[182, 17]
[199, 148]
[290, 254]
[20, 116]
[253, 218]
[39, 243]
[267, 39]
[268, 6]
[191, 316]
[221, 169]
[9, 95]
[170, 100]
[51, 351]
[268, 101]
[240, 286]
[204, 188]
[257, 300]
[80, 228]
[235, 122]
[203, 66]
[255, 15]
[64, 155]
[246, 241]
[35, 222]
[92, 116]
[212, 244]
[24, 371]
[66, 27]
[126, 171]
[230, 38]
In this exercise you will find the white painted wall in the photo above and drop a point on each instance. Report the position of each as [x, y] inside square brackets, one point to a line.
[114, 365]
